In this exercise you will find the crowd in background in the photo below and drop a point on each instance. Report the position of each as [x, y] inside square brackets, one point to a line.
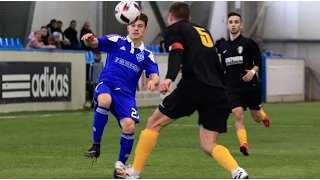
[52, 36]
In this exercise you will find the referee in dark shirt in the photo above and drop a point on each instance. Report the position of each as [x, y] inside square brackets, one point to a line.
[241, 59]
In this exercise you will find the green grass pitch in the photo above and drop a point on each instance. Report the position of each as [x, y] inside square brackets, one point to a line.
[51, 144]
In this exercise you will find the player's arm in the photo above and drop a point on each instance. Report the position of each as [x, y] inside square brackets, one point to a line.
[256, 56]
[174, 42]
[105, 43]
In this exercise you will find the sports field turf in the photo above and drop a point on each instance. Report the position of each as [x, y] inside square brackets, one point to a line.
[50, 145]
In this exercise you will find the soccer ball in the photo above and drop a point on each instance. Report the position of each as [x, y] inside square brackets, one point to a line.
[127, 12]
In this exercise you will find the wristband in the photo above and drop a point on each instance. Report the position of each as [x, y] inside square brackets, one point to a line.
[253, 71]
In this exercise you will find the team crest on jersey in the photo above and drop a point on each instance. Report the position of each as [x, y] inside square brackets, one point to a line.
[140, 56]
[240, 49]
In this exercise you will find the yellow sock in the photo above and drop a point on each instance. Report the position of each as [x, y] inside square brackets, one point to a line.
[263, 114]
[224, 158]
[146, 144]
[242, 136]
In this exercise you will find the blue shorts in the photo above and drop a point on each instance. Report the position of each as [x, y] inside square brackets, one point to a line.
[122, 105]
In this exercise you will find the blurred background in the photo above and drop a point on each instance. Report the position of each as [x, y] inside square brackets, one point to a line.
[282, 29]
[46, 69]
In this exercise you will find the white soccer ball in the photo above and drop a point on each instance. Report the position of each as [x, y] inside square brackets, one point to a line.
[127, 12]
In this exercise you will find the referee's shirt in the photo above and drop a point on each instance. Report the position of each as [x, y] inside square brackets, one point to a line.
[237, 56]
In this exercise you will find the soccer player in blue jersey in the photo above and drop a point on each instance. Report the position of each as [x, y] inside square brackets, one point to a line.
[115, 92]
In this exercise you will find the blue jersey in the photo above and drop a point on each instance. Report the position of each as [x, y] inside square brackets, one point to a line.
[125, 63]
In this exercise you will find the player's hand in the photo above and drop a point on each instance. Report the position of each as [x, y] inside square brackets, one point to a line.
[248, 76]
[164, 86]
[151, 86]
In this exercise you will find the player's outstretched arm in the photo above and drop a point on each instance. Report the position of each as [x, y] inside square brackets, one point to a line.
[90, 40]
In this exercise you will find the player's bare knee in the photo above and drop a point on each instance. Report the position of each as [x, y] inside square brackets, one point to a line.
[239, 115]
[158, 121]
[208, 140]
[104, 100]
[207, 147]
[127, 125]
[256, 116]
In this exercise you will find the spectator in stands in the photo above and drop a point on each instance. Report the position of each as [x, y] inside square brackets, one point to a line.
[86, 28]
[95, 70]
[52, 26]
[35, 42]
[57, 40]
[59, 29]
[44, 35]
[71, 34]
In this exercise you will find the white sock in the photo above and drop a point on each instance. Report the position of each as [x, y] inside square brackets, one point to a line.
[133, 172]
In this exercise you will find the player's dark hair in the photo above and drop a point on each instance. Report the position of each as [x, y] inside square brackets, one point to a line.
[180, 10]
[143, 17]
[234, 14]
[44, 27]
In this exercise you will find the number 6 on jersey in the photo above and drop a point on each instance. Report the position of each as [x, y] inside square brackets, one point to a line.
[205, 37]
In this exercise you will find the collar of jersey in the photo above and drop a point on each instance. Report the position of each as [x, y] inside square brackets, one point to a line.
[236, 39]
[141, 47]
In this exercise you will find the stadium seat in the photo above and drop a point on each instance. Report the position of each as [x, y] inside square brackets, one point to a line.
[19, 43]
[7, 43]
[1, 43]
[13, 43]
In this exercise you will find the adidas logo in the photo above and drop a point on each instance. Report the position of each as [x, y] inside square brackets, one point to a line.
[123, 48]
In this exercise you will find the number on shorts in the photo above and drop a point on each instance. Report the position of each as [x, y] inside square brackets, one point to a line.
[134, 113]
[205, 37]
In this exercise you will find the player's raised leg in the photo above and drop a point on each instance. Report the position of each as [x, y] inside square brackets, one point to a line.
[100, 119]
[241, 131]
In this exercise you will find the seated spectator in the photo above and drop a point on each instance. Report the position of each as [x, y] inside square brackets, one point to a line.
[59, 42]
[55, 40]
[52, 26]
[35, 42]
[71, 34]
[44, 35]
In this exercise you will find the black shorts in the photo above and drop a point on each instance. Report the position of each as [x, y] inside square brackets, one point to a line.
[249, 98]
[211, 103]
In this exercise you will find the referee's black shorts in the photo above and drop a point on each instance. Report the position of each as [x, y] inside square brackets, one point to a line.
[210, 102]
